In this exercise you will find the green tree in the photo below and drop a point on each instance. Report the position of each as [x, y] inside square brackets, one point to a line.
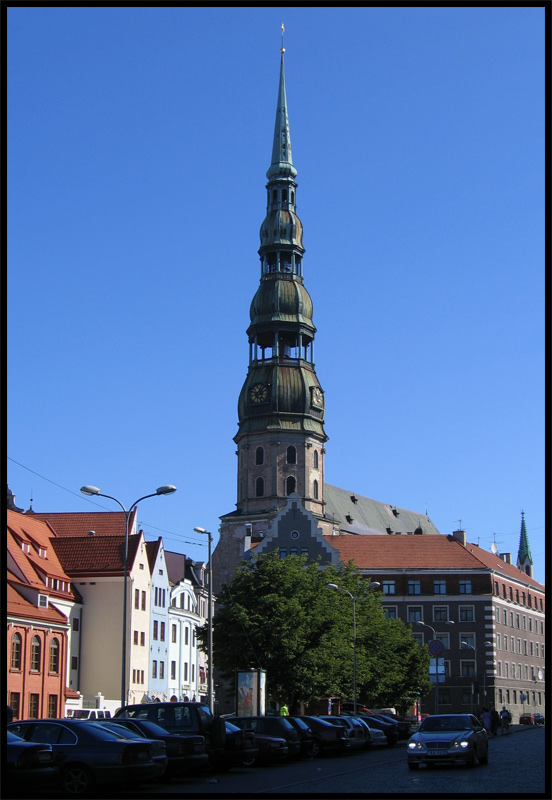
[278, 614]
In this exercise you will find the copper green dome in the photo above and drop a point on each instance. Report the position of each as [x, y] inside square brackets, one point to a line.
[281, 300]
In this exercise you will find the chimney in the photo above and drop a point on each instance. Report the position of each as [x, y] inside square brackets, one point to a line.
[460, 536]
[507, 557]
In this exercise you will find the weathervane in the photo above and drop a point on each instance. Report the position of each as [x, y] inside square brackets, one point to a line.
[282, 49]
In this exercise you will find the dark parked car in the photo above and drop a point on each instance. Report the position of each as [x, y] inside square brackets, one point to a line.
[279, 727]
[359, 737]
[88, 755]
[390, 730]
[226, 747]
[29, 767]
[272, 750]
[158, 749]
[305, 736]
[185, 753]
[448, 738]
[539, 719]
[327, 738]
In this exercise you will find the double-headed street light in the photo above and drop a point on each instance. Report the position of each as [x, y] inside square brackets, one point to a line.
[93, 490]
[209, 621]
[449, 622]
[373, 585]
[465, 646]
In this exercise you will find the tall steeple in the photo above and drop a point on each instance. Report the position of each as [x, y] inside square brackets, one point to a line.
[524, 559]
[281, 405]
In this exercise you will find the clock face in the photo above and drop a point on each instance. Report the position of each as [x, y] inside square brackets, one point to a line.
[259, 393]
[317, 397]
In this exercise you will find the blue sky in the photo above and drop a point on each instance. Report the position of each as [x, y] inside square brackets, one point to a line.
[138, 142]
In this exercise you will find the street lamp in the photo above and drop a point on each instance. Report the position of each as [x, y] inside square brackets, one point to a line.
[449, 622]
[373, 585]
[209, 621]
[93, 490]
[465, 646]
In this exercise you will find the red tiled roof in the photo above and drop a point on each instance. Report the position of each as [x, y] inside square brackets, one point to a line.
[19, 606]
[493, 561]
[404, 552]
[95, 555]
[78, 523]
[37, 534]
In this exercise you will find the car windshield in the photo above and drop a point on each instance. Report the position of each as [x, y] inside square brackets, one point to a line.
[435, 724]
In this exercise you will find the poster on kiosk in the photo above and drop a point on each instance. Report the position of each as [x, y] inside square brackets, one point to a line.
[250, 693]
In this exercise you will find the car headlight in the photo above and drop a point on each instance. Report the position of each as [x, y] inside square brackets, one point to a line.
[415, 745]
[462, 743]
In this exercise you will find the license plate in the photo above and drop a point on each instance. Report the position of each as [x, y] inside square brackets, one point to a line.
[436, 752]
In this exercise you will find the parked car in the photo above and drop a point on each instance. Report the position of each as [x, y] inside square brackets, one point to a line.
[279, 727]
[390, 729]
[89, 713]
[271, 750]
[185, 753]
[526, 719]
[305, 736]
[158, 748]
[448, 738]
[539, 719]
[377, 737]
[404, 725]
[225, 746]
[88, 755]
[29, 767]
[327, 738]
[359, 737]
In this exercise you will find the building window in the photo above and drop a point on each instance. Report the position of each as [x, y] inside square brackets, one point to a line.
[439, 587]
[173, 670]
[142, 639]
[315, 459]
[498, 641]
[74, 662]
[293, 551]
[291, 455]
[143, 601]
[186, 634]
[34, 700]
[35, 654]
[16, 652]
[506, 669]
[467, 669]
[136, 637]
[173, 633]
[290, 484]
[259, 456]
[388, 587]
[315, 489]
[465, 586]
[390, 612]
[465, 614]
[137, 598]
[54, 656]
[304, 551]
[440, 613]
[75, 623]
[468, 638]
[154, 669]
[162, 636]
[414, 613]
[52, 706]
[161, 670]
[259, 487]
[283, 552]
[15, 703]
[413, 587]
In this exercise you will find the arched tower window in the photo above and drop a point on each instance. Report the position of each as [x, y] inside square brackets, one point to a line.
[291, 455]
[315, 490]
[259, 487]
[54, 656]
[259, 456]
[16, 652]
[315, 459]
[35, 654]
[290, 484]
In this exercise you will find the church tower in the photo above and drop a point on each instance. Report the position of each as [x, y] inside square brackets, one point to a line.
[524, 559]
[280, 439]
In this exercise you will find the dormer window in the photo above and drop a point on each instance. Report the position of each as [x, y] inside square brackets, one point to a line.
[43, 601]
[42, 552]
[25, 546]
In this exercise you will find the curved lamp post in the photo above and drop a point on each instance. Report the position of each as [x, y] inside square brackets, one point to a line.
[449, 622]
[465, 646]
[209, 621]
[373, 585]
[94, 491]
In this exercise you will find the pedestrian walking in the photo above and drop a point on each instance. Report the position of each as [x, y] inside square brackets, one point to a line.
[505, 719]
[284, 711]
[486, 719]
[495, 721]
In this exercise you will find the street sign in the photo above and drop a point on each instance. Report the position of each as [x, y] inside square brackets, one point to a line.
[436, 648]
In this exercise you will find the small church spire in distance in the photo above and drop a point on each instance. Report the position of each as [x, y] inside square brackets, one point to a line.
[524, 559]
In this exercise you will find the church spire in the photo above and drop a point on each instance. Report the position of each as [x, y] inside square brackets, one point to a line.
[524, 559]
[281, 166]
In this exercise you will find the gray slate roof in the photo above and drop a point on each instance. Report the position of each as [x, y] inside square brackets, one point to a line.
[367, 516]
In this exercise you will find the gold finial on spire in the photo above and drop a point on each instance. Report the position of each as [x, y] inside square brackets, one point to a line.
[282, 49]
